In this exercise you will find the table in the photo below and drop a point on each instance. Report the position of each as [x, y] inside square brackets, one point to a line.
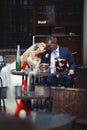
[52, 120]
[25, 74]
[34, 96]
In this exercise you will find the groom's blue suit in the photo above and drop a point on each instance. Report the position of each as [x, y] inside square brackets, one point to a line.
[64, 53]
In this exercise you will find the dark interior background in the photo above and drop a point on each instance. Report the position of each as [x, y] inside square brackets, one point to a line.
[15, 23]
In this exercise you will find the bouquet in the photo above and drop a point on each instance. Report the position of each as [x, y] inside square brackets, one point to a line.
[61, 64]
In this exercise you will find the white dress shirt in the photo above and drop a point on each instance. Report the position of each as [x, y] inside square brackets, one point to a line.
[54, 55]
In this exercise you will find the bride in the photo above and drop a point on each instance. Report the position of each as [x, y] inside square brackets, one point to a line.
[31, 55]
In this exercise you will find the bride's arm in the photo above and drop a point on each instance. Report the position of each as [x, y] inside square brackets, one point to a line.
[38, 62]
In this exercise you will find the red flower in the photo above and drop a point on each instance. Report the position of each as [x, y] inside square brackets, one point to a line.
[47, 55]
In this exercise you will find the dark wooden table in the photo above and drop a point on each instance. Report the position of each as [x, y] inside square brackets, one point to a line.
[40, 73]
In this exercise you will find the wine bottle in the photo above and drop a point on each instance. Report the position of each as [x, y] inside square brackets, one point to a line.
[18, 59]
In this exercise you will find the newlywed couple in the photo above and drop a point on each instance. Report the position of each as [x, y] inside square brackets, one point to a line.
[42, 53]
[31, 55]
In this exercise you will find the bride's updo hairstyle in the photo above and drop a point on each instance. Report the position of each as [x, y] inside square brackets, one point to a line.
[40, 45]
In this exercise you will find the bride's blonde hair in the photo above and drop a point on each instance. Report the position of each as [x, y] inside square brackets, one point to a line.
[40, 45]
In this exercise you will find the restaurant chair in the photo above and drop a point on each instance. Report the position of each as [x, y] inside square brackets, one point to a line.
[3, 91]
[2, 62]
[3, 95]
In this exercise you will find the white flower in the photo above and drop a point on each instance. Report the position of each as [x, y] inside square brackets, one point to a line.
[47, 55]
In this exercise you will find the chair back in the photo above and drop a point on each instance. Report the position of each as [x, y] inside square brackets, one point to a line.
[3, 91]
[3, 95]
[2, 62]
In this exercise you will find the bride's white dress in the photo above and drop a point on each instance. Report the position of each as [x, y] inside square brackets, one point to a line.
[31, 62]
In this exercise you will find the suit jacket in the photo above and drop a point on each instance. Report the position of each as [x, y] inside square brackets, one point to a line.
[64, 53]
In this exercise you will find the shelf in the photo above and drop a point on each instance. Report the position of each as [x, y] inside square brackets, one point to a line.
[51, 14]
[59, 36]
[58, 30]
[63, 19]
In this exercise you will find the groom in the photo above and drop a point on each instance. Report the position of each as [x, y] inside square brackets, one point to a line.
[53, 49]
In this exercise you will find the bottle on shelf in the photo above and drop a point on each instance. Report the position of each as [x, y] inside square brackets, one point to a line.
[18, 59]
